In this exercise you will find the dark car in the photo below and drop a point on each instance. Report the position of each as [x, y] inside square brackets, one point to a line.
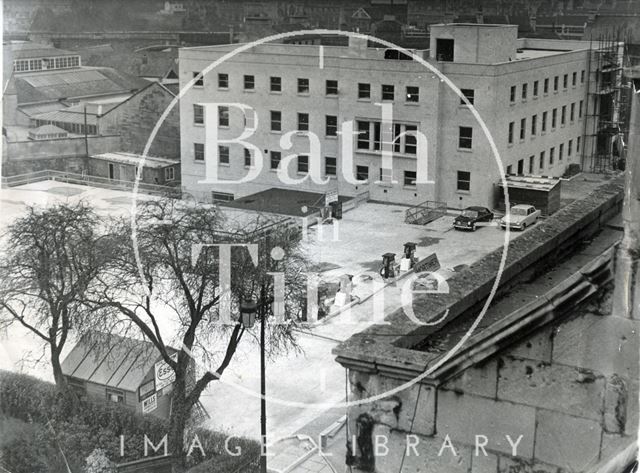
[470, 216]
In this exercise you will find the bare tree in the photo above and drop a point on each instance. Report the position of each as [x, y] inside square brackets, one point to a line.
[51, 257]
[173, 298]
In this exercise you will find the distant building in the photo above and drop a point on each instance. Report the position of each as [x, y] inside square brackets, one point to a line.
[120, 166]
[534, 95]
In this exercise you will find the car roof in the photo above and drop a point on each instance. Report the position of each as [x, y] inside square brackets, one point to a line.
[522, 206]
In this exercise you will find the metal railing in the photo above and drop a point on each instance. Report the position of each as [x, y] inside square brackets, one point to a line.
[425, 212]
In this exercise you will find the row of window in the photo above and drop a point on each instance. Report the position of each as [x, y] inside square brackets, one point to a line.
[549, 157]
[76, 128]
[524, 88]
[23, 65]
[303, 87]
[533, 121]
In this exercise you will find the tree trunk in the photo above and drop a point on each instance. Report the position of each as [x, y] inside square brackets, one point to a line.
[58, 377]
[177, 425]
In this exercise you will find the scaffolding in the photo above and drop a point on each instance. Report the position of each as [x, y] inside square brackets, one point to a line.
[607, 102]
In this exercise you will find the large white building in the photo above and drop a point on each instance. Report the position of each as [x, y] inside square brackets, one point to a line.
[531, 93]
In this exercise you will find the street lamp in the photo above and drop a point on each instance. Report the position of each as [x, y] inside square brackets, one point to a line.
[248, 310]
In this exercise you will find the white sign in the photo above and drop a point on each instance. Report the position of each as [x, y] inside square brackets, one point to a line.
[164, 373]
[150, 404]
[331, 196]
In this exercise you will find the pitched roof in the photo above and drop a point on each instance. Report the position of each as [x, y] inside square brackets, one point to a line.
[36, 50]
[47, 130]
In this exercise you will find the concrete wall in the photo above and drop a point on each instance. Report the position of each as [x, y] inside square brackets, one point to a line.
[477, 44]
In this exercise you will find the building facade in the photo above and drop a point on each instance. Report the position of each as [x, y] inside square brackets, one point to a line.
[531, 95]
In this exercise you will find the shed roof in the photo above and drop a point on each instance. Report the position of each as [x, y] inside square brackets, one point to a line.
[540, 183]
[47, 130]
[134, 159]
[29, 50]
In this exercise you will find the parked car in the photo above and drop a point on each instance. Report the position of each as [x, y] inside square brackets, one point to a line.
[520, 217]
[471, 216]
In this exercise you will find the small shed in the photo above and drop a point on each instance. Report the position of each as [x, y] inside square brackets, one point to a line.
[121, 370]
[540, 191]
[120, 166]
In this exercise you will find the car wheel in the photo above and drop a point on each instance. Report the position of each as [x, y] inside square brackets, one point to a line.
[473, 227]
[524, 226]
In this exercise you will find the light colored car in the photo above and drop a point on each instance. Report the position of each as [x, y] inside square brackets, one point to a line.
[520, 217]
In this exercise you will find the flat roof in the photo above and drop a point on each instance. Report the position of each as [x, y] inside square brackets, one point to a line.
[282, 201]
[134, 159]
[540, 183]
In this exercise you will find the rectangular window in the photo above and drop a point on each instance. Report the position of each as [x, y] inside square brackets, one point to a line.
[409, 178]
[115, 395]
[198, 151]
[198, 114]
[444, 48]
[552, 153]
[580, 108]
[465, 137]
[223, 115]
[554, 116]
[248, 159]
[544, 122]
[469, 95]
[565, 81]
[276, 120]
[223, 154]
[223, 81]
[169, 173]
[545, 87]
[362, 173]
[275, 84]
[574, 79]
[572, 113]
[413, 94]
[303, 122]
[410, 143]
[578, 144]
[330, 166]
[563, 115]
[523, 126]
[463, 181]
[509, 170]
[535, 88]
[511, 128]
[249, 82]
[556, 81]
[512, 94]
[524, 91]
[582, 76]
[532, 160]
[331, 125]
[569, 148]
[303, 86]
[364, 135]
[332, 87]
[560, 151]
[199, 81]
[388, 91]
[274, 162]
[303, 164]
[221, 197]
[541, 160]
[534, 125]
[364, 91]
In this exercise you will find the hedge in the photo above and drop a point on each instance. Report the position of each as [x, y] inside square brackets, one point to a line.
[31, 410]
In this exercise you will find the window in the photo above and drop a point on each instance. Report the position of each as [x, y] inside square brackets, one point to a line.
[523, 126]
[387, 92]
[248, 159]
[223, 116]
[569, 148]
[199, 81]
[534, 125]
[444, 49]
[545, 86]
[465, 137]
[512, 94]
[221, 196]
[469, 95]
[303, 122]
[532, 160]
[574, 79]
[463, 181]
[552, 153]
[509, 170]
[413, 94]
[115, 395]
[582, 76]
[303, 86]
[410, 144]
[541, 160]
[223, 81]
[554, 115]
[146, 388]
[362, 173]
[223, 154]
[276, 156]
[198, 151]
[578, 144]
[563, 115]
[535, 88]
[565, 81]
[331, 125]
[303, 164]
[249, 82]
[524, 91]
[169, 173]
[364, 91]
[580, 108]
[330, 166]
[511, 127]
[556, 79]
[520, 167]
[409, 178]
[198, 114]
[572, 113]
[364, 134]
[275, 84]
[560, 151]
[332, 87]
[276, 120]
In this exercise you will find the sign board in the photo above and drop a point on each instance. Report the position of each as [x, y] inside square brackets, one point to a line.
[430, 263]
[331, 196]
[150, 404]
[164, 373]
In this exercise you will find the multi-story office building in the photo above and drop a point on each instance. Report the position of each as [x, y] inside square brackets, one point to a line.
[531, 94]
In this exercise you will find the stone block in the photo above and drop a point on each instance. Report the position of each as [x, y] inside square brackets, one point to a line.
[463, 416]
[480, 379]
[569, 442]
[535, 347]
[607, 344]
[432, 458]
[555, 387]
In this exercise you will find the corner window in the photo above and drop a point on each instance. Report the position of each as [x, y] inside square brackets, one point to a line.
[223, 81]
[331, 87]
[465, 137]
[413, 94]
[303, 86]
[275, 84]
[364, 91]
[463, 181]
[249, 82]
